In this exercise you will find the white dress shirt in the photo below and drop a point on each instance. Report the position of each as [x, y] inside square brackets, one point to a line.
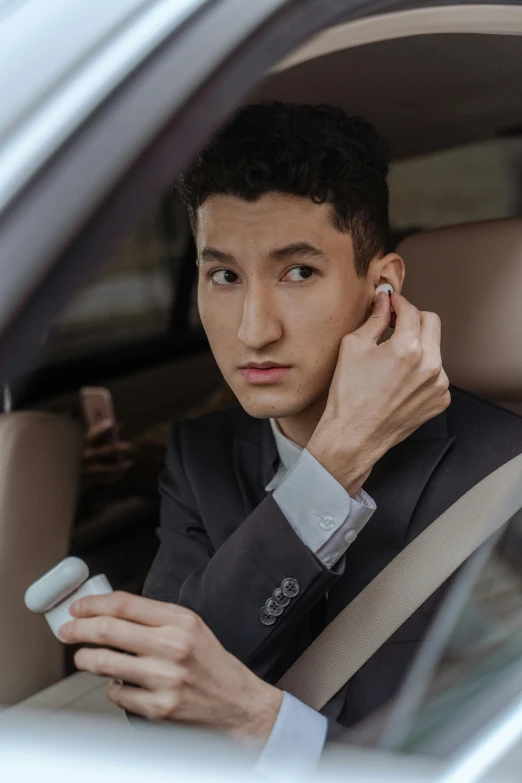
[319, 509]
[327, 520]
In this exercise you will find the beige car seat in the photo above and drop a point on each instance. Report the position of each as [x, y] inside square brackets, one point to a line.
[471, 275]
[39, 472]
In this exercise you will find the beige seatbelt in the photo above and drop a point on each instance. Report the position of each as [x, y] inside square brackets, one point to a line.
[403, 586]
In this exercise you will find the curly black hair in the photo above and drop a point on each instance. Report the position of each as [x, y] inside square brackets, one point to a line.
[314, 151]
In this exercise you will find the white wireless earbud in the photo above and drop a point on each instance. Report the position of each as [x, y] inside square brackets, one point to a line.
[56, 590]
[386, 287]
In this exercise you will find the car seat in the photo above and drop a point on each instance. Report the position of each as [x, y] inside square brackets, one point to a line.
[39, 472]
[471, 275]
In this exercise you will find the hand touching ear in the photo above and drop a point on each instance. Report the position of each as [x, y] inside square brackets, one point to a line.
[380, 393]
[387, 289]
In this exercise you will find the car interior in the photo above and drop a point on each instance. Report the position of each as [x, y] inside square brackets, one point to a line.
[449, 104]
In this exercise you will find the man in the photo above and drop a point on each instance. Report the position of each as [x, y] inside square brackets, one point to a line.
[277, 513]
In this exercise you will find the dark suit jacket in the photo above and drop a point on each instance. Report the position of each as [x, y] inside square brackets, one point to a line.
[225, 545]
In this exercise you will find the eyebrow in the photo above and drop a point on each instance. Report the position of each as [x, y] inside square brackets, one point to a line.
[213, 254]
[299, 249]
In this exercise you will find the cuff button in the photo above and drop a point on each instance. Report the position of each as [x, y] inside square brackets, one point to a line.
[280, 598]
[266, 619]
[272, 608]
[290, 587]
[327, 523]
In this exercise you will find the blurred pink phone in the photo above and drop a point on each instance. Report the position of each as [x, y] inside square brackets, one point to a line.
[97, 406]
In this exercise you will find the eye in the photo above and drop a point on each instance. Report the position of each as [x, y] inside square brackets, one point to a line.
[224, 277]
[299, 274]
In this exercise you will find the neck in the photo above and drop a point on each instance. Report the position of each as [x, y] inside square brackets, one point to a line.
[301, 427]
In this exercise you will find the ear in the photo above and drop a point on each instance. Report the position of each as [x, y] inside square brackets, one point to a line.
[387, 269]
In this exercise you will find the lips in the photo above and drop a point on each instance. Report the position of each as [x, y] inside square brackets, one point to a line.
[264, 373]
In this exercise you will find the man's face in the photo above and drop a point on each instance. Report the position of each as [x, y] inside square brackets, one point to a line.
[277, 292]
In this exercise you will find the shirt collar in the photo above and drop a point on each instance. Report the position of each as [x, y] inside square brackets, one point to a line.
[288, 453]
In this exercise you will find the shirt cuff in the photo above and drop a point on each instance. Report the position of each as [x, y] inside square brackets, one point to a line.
[295, 744]
[320, 510]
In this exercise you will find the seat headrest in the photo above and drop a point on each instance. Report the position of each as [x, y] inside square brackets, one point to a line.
[471, 275]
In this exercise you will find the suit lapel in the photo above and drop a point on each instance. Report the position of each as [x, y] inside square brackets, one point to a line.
[396, 484]
[255, 462]
[399, 478]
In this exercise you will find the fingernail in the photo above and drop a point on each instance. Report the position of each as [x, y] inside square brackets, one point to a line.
[74, 607]
[62, 632]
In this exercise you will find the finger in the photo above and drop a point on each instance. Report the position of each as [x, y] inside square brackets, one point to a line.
[109, 632]
[133, 608]
[109, 470]
[100, 428]
[430, 329]
[407, 316]
[136, 700]
[375, 326]
[107, 449]
[106, 462]
[147, 672]
[430, 338]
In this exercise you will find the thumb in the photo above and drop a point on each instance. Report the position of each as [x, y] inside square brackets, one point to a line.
[375, 326]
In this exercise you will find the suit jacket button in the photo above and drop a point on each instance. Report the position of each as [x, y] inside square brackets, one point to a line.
[280, 598]
[266, 619]
[272, 608]
[290, 587]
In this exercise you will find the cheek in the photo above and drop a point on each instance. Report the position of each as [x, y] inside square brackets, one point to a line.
[318, 324]
[219, 322]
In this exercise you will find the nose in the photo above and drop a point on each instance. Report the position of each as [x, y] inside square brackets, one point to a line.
[260, 323]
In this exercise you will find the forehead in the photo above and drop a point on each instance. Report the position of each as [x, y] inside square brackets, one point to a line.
[274, 219]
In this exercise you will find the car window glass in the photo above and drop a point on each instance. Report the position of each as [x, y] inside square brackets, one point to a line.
[465, 184]
[132, 294]
[483, 647]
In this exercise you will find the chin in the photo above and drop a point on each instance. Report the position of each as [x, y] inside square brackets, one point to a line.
[271, 403]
